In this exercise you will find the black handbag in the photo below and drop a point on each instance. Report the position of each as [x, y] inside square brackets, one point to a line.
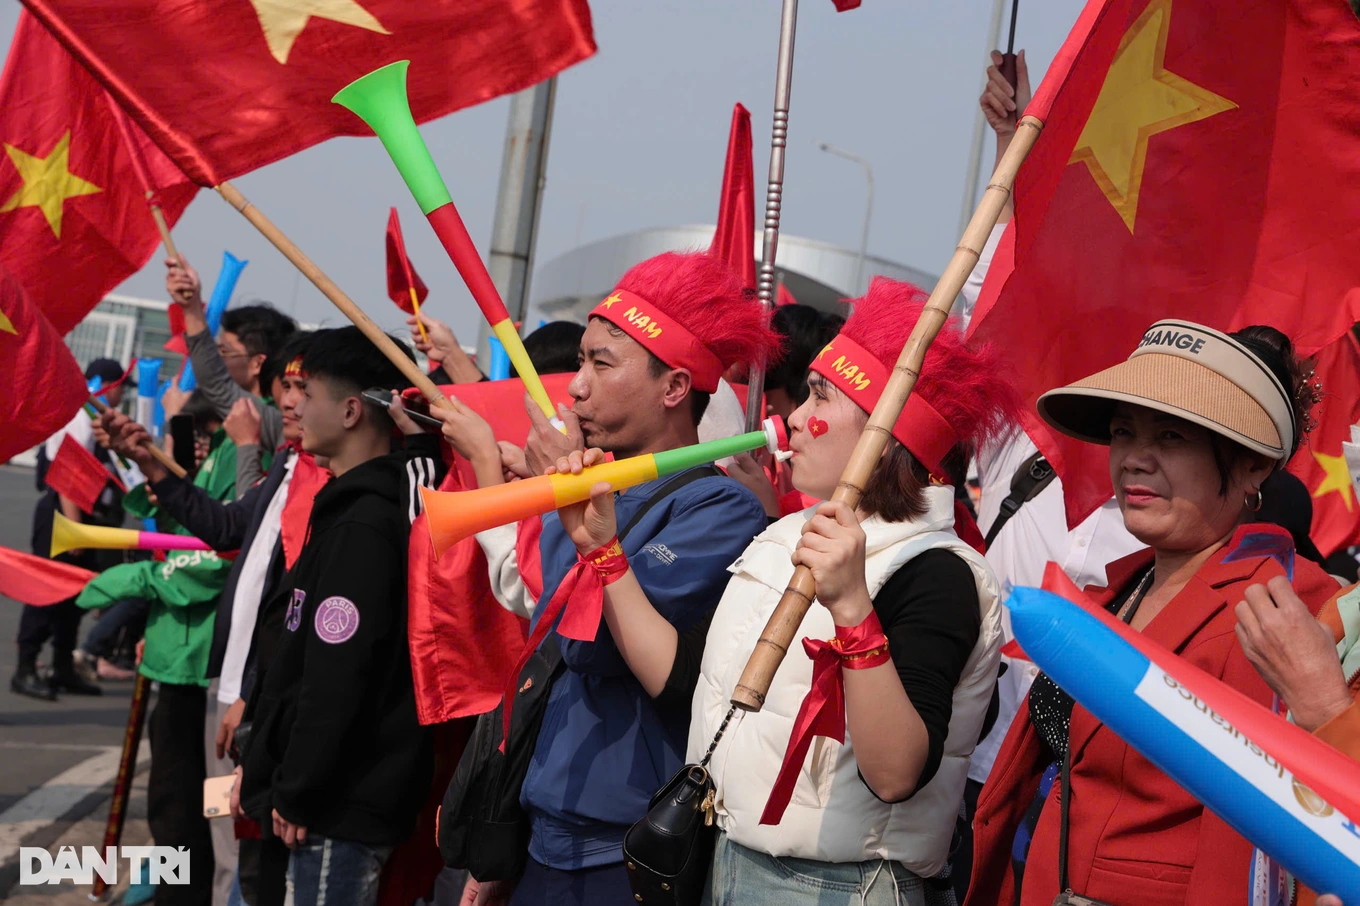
[482, 827]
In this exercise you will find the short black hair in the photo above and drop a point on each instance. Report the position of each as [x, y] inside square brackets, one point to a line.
[346, 357]
[202, 411]
[555, 348]
[260, 328]
[295, 345]
[806, 330]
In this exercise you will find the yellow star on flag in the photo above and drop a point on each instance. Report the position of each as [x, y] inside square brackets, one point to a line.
[611, 299]
[48, 182]
[1138, 100]
[7, 325]
[283, 20]
[1338, 478]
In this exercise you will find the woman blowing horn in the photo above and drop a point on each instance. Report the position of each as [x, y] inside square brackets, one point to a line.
[909, 623]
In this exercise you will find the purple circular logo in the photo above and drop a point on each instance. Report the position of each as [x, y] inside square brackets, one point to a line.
[337, 619]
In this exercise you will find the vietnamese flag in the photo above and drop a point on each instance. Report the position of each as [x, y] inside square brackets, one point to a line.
[1320, 463]
[404, 285]
[1199, 160]
[734, 239]
[77, 475]
[225, 88]
[73, 216]
[43, 385]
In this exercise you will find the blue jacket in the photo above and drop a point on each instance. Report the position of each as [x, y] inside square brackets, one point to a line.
[605, 746]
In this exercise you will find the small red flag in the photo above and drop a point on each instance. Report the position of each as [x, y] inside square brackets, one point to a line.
[782, 296]
[1172, 181]
[734, 239]
[73, 216]
[39, 581]
[401, 275]
[43, 384]
[225, 88]
[76, 473]
[843, 5]
[176, 344]
[1321, 463]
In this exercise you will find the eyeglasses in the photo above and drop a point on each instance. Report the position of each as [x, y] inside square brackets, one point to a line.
[227, 354]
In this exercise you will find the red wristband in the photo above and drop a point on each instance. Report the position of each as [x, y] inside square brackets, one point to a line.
[862, 647]
[608, 560]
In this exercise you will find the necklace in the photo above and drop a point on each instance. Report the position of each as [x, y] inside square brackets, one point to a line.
[1131, 607]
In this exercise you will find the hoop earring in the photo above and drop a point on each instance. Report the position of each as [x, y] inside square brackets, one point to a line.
[1256, 508]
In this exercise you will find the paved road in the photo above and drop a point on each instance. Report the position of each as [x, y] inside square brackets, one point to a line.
[54, 756]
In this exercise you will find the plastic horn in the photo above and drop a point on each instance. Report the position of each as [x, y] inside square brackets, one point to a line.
[455, 515]
[216, 307]
[68, 535]
[379, 99]
[1237, 758]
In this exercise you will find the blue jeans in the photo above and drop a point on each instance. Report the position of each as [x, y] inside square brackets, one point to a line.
[326, 872]
[745, 877]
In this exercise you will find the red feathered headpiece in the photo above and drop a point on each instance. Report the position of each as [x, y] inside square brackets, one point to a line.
[691, 311]
[959, 399]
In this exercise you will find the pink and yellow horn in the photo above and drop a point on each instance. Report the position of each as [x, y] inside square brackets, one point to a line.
[68, 535]
[455, 515]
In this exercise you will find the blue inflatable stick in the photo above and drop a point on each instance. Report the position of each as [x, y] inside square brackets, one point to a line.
[217, 305]
[1215, 762]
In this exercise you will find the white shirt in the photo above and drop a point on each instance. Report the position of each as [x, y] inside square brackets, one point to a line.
[245, 605]
[1035, 535]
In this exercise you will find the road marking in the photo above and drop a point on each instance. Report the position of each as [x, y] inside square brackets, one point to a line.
[49, 802]
[58, 746]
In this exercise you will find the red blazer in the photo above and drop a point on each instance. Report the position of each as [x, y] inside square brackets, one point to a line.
[1135, 836]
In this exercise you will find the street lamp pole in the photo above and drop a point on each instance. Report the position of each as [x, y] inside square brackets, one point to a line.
[868, 208]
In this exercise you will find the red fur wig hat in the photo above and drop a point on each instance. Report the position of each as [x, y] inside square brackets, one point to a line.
[960, 399]
[691, 311]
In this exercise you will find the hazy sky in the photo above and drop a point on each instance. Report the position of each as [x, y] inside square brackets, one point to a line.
[638, 140]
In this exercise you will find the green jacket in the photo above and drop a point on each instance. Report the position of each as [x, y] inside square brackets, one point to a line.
[183, 590]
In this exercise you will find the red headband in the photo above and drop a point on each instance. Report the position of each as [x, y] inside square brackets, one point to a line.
[862, 377]
[294, 367]
[662, 336]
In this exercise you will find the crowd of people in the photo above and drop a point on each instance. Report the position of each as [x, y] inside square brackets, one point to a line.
[899, 756]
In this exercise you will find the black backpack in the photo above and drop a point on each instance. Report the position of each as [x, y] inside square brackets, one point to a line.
[482, 827]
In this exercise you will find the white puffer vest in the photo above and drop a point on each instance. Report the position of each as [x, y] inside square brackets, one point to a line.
[833, 817]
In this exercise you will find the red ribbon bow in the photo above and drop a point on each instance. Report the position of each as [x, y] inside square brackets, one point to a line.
[823, 710]
[584, 584]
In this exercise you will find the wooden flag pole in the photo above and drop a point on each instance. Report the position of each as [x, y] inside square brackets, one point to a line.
[783, 624]
[156, 452]
[335, 294]
[127, 769]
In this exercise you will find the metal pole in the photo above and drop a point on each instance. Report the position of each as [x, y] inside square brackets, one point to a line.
[774, 191]
[518, 203]
[829, 148]
[970, 183]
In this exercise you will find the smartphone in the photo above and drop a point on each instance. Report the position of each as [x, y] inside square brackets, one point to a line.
[217, 796]
[379, 397]
[182, 437]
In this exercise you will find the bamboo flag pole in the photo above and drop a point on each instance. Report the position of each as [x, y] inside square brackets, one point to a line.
[127, 768]
[774, 195]
[156, 452]
[335, 294]
[783, 624]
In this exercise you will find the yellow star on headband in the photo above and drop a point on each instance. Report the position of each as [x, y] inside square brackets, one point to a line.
[611, 299]
[1338, 478]
[1138, 100]
[283, 20]
[48, 182]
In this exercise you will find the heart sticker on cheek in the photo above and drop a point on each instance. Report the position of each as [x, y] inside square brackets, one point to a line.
[817, 427]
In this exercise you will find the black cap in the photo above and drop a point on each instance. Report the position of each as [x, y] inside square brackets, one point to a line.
[108, 371]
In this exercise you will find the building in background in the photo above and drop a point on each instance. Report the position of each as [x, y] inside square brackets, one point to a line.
[816, 273]
[125, 328]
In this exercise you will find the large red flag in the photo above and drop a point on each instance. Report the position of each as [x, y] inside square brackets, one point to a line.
[73, 217]
[37, 580]
[1320, 463]
[401, 274]
[734, 240]
[1173, 180]
[225, 88]
[43, 385]
[75, 473]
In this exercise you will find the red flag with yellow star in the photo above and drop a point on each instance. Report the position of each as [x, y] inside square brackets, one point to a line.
[73, 216]
[1199, 160]
[44, 387]
[1320, 463]
[225, 88]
